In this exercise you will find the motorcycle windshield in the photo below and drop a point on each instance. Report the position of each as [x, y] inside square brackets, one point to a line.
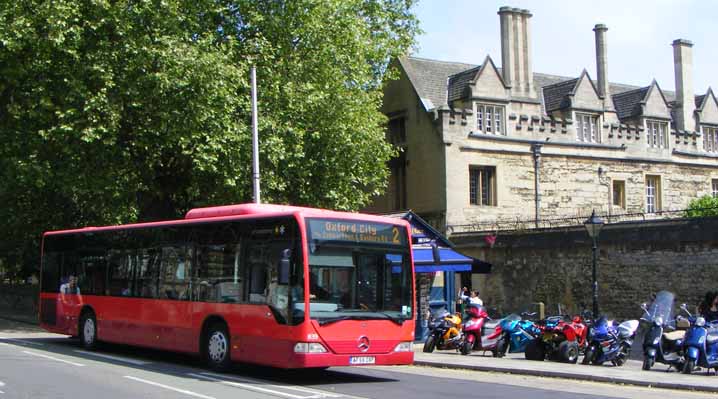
[509, 321]
[662, 307]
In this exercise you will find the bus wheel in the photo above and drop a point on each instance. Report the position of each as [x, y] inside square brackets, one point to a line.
[216, 347]
[88, 330]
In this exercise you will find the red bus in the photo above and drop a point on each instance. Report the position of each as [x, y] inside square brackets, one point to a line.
[282, 286]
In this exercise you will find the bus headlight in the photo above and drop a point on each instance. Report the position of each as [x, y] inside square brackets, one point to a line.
[309, 347]
[404, 347]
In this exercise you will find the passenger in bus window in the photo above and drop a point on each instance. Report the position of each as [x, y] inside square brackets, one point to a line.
[70, 287]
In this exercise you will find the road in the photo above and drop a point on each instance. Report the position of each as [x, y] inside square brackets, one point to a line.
[34, 364]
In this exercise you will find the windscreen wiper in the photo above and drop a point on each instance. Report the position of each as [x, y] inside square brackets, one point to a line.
[397, 320]
[340, 318]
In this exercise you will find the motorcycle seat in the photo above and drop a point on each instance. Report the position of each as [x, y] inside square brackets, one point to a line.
[711, 339]
[674, 335]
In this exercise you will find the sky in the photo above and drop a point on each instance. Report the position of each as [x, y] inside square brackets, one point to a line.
[639, 36]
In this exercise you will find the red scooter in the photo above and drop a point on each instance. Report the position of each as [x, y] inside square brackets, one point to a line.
[480, 332]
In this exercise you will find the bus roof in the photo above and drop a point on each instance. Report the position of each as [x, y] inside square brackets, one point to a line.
[229, 212]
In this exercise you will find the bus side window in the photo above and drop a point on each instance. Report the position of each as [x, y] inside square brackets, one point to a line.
[175, 278]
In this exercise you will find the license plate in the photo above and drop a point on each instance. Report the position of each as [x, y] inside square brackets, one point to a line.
[362, 360]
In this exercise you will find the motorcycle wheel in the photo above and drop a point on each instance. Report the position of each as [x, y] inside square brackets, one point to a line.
[430, 344]
[588, 354]
[535, 350]
[467, 346]
[568, 351]
[689, 366]
[648, 362]
[501, 347]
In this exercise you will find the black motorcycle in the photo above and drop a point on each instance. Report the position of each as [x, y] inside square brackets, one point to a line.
[663, 342]
[444, 332]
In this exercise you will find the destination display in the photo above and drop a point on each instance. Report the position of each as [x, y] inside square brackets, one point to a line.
[356, 231]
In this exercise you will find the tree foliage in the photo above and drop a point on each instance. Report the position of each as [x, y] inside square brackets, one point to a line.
[119, 111]
[703, 206]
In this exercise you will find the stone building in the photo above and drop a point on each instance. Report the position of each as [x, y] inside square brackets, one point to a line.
[484, 145]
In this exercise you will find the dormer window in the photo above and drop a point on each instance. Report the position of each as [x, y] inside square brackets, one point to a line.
[710, 139]
[587, 128]
[657, 134]
[490, 119]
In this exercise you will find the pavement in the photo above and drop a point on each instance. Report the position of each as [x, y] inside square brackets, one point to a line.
[630, 373]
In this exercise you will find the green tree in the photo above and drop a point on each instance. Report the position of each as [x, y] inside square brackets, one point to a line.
[119, 111]
[703, 206]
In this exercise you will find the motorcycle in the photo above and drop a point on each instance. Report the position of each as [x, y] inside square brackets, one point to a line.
[607, 342]
[663, 342]
[517, 332]
[444, 332]
[480, 332]
[700, 345]
[559, 340]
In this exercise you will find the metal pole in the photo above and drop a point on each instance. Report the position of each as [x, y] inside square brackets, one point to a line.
[595, 282]
[536, 149]
[255, 139]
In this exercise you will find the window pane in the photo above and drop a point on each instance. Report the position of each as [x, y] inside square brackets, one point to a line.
[480, 118]
[473, 179]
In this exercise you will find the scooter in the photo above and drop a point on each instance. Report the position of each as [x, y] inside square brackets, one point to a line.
[444, 332]
[608, 342]
[663, 341]
[701, 345]
[517, 332]
[480, 332]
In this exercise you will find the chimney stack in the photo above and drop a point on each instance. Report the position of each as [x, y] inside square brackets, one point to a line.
[685, 101]
[602, 65]
[516, 51]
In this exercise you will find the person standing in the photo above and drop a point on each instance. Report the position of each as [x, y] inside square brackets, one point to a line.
[462, 300]
[474, 298]
[708, 309]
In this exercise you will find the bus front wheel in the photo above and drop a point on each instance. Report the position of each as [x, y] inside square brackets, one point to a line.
[217, 347]
[88, 330]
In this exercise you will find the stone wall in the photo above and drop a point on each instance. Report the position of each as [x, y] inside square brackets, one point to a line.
[569, 185]
[635, 260]
[19, 302]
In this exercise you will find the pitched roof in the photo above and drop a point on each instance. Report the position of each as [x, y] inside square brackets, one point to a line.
[429, 78]
[628, 103]
[699, 100]
[438, 82]
[555, 96]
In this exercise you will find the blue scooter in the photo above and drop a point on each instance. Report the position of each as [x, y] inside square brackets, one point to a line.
[608, 342]
[517, 333]
[700, 345]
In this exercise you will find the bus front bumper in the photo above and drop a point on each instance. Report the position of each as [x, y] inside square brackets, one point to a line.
[309, 360]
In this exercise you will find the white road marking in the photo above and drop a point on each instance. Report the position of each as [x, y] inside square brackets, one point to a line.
[249, 384]
[4, 344]
[2, 384]
[23, 341]
[157, 384]
[54, 358]
[290, 387]
[118, 358]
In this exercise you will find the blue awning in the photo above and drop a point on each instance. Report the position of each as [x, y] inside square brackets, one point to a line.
[449, 260]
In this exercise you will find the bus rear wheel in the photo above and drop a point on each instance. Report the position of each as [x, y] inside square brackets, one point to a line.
[217, 347]
[88, 330]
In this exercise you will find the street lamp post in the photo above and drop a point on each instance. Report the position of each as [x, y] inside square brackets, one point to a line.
[593, 226]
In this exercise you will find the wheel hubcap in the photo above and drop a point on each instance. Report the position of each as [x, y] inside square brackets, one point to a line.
[217, 347]
[89, 331]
